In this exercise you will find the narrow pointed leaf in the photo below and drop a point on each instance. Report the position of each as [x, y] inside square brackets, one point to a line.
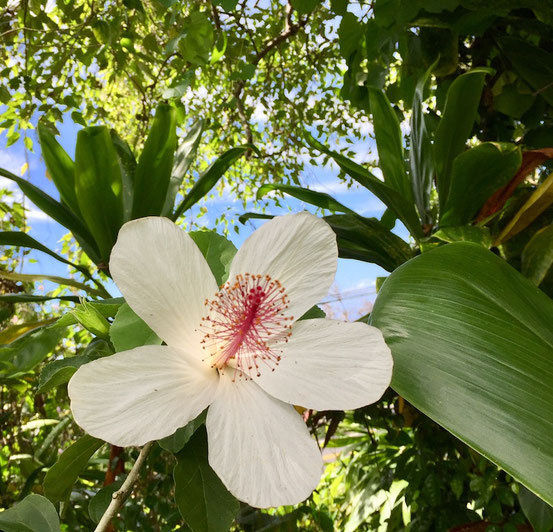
[184, 156]
[313, 197]
[60, 167]
[11, 334]
[33, 298]
[60, 478]
[403, 208]
[58, 212]
[98, 184]
[456, 124]
[476, 174]
[421, 161]
[210, 177]
[127, 166]
[537, 256]
[153, 172]
[472, 344]
[389, 142]
[254, 216]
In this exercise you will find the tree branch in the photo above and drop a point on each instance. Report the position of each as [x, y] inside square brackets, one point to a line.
[120, 496]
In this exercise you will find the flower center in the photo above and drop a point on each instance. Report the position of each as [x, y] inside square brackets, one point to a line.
[245, 317]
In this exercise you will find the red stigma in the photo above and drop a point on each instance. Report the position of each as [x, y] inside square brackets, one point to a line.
[245, 316]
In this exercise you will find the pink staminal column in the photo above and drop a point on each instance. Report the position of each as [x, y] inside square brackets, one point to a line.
[245, 318]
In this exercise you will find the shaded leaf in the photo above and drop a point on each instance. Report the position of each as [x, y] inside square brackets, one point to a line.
[180, 438]
[465, 233]
[100, 502]
[538, 512]
[537, 256]
[33, 514]
[470, 350]
[129, 330]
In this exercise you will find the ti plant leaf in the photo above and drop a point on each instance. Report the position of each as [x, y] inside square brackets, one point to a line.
[475, 356]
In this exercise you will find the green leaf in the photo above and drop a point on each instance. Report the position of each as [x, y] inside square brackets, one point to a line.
[537, 256]
[218, 252]
[20, 239]
[368, 240]
[421, 162]
[127, 166]
[538, 512]
[60, 478]
[456, 124]
[196, 40]
[210, 177]
[403, 208]
[98, 184]
[58, 212]
[129, 330]
[319, 199]
[465, 233]
[11, 334]
[476, 174]
[32, 298]
[153, 172]
[186, 152]
[33, 514]
[180, 438]
[60, 371]
[472, 341]
[100, 502]
[92, 319]
[389, 142]
[203, 501]
[60, 167]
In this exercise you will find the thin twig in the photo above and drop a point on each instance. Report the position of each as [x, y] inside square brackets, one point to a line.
[120, 496]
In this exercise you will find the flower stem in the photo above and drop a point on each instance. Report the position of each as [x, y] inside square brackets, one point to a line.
[120, 496]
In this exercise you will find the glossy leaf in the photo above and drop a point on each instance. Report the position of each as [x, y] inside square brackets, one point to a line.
[11, 334]
[421, 159]
[403, 208]
[465, 233]
[218, 252]
[153, 172]
[472, 341]
[203, 501]
[34, 513]
[389, 142]
[538, 202]
[537, 256]
[127, 166]
[184, 156]
[456, 125]
[180, 438]
[60, 167]
[538, 512]
[58, 212]
[210, 177]
[98, 184]
[475, 175]
[129, 330]
[60, 478]
[100, 502]
[319, 199]
[368, 240]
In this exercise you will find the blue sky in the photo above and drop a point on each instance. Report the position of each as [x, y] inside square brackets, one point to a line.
[355, 281]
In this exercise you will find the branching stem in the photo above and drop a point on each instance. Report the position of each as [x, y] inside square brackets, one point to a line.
[120, 496]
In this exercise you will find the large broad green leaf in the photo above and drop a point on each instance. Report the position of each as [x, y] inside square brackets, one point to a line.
[218, 252]
[403, 208]
[473, 349]
[389, 142]
[476, 174]
[456, 124]
[60, 167]
[153, 173]
[368, 240]
[319, 199]
[98, 184]
[33, 514]
[532, 63]
[186, 152]
[203, 501]
[129, 330]
[58, 212]
[63, 474]
[421, 161]
[210, 177]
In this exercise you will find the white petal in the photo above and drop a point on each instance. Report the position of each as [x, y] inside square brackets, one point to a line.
[260, 447]
[298, 250]
[330, 365]
[140, 395]
[164, 278]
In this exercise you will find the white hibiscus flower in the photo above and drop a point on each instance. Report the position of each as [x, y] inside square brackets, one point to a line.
[236, 349]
